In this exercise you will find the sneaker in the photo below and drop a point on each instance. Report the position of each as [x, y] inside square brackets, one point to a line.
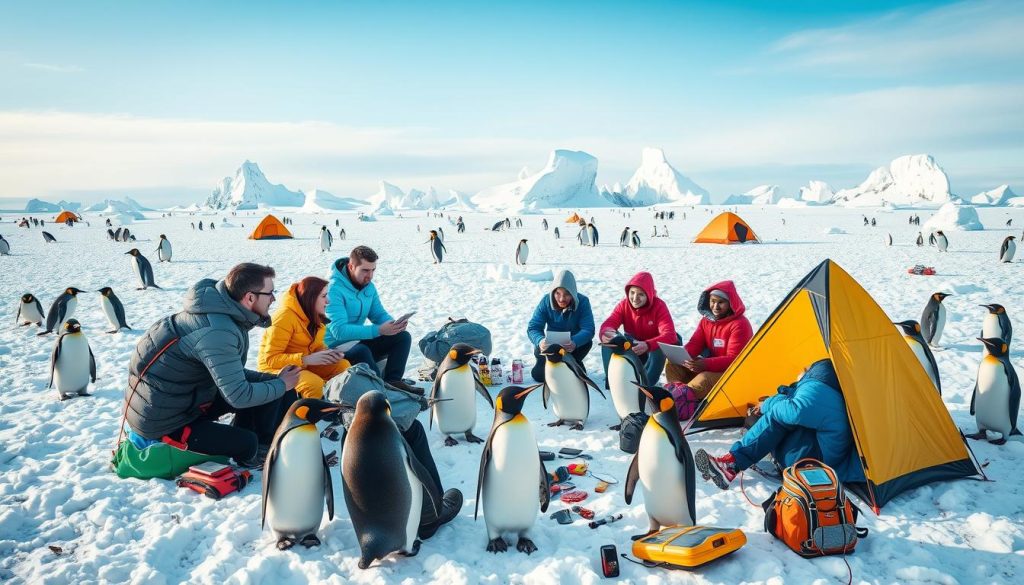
[451, 505]
[720, 470]
[402, 385]
[258, 460]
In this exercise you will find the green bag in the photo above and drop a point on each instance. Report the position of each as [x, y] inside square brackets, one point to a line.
[159, 460]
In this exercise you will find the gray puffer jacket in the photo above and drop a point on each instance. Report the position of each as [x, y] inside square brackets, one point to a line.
[209, 357]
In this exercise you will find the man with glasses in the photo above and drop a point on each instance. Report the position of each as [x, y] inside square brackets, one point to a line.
[189, 369]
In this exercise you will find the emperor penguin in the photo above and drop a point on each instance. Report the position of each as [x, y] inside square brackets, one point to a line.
[626, 375]
[592, 232]
[341, 234]
[512, 474]
[326, 239]
[933, 319]
[558, 236]
[635, 240]
[544, 224]
[48, 238]
[72, 364]
[437, 248]
[664, 467]
[113, 309]
[440, 233]
[565, 385]
[117, 234]
[200, 225]
[30, 310]
[912, 335]
[143, 269]
[931, 239]
[654, 233]
[941, 242]
[110, 235]
[5, 247]
[1008, 249]
[508, 224]
[624, 237]
[997, 324]
[386, 488]
[455, 404]
[125, 234]
[996, 397]
[497, 227]
[920, 240]
[296, 476]
[62, 309]
[522, 253]
[664, 229]
[163, 249]
[583, 237]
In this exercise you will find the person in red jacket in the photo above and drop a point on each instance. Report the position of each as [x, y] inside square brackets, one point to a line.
[644, 318]
[721, 335]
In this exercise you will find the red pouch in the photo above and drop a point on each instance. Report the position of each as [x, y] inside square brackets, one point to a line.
[214, 482]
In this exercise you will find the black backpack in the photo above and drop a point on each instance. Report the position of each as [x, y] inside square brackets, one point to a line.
[630, 431]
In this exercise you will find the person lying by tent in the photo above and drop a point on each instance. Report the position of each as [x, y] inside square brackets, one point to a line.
[646, 320]
[296, 338]
[806, 419]
[720, 336]
[563, 309]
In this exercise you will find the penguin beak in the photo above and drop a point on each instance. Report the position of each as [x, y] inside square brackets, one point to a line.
[646, 392]
[527, 390]
[474, 352]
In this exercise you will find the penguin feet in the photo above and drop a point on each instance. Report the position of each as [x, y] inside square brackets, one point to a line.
[331, 459]
[497, 545]
[644, 535]
[525, 545]
[980, 435]
[450, 442]
[576, 427]
[309, 541]
[617, 427]
[557, 423]
[470, 437]
[999, 441]
[415, 549]
[285, 543]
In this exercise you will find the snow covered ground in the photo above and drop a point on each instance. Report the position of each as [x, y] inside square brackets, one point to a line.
[56, 489]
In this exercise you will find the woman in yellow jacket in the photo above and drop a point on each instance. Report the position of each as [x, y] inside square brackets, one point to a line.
[296, 338]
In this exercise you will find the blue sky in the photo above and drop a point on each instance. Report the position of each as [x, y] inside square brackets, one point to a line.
[161, 99]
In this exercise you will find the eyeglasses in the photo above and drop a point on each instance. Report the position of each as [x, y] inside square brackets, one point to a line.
[269, 294]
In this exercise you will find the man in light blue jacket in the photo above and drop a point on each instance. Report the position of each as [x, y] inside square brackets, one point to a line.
[352, 300]
[563, 309]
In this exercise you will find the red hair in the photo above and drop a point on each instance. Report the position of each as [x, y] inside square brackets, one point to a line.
[307, 291]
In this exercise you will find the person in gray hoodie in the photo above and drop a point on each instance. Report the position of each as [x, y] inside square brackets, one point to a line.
[188, 370]
[563, 309]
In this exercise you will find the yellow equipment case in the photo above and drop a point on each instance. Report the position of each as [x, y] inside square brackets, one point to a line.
[688, 547]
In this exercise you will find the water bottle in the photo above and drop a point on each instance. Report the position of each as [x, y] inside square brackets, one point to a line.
[496, 372]
[485, 372]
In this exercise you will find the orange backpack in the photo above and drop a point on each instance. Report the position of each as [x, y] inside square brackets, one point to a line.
[811, 512]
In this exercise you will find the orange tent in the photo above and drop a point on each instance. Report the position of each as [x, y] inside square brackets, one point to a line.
[270, 228]
[726, 228]
[572, 218]
[65, 216]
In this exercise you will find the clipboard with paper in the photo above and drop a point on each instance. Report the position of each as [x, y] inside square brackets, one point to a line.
[558, 337]
[676, 354]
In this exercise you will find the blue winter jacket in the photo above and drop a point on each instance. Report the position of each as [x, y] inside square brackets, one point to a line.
[815, 402]
[577, 319]
[348, 308]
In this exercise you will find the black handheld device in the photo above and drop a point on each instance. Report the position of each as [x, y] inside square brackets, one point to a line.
[609, 561]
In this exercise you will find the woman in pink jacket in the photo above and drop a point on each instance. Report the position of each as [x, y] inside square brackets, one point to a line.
[721, 335]
[644, 318]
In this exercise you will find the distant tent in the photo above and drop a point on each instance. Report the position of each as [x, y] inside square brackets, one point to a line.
[66, 216]
[726, 228]
[902, 430]
[271, 228]
[572, 218]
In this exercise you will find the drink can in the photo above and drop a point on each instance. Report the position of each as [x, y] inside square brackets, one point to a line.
[485, 372]
[496, 377]
[517, 371]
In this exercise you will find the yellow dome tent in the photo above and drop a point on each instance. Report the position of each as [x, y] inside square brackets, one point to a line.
[726, 228]
[65, 216]
[572, 218]
[901, 427]
[270, 228]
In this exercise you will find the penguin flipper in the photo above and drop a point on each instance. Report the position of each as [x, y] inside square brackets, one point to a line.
[482, 390]
[581, 373]
[1011, 375]
[545, 391]
[670, 423]
[119, 313]
[545, 486]
[485, 458]
[328, 488]
[423, 475]
[92, 365]
[268, 470]
[631, 478]
[39, 307]
[53, 359]
[974, 395]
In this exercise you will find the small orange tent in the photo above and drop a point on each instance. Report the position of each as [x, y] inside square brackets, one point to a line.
[65, 216]
[572, 218]
[270, 228]
[726, 228]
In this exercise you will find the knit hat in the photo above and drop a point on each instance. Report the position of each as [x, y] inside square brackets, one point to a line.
[719, 293]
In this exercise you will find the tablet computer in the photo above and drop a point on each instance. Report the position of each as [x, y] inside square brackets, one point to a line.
[676, 354]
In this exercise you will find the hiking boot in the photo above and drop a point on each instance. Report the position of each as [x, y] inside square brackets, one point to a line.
[401, 385]
[720, 470]
[256, 462]
[451, 505]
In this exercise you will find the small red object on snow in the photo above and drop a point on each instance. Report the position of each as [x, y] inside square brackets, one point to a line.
[574, 496]
[921, 269]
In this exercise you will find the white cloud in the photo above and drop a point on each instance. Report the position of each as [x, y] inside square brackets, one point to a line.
[965, 34]
[54, 68]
